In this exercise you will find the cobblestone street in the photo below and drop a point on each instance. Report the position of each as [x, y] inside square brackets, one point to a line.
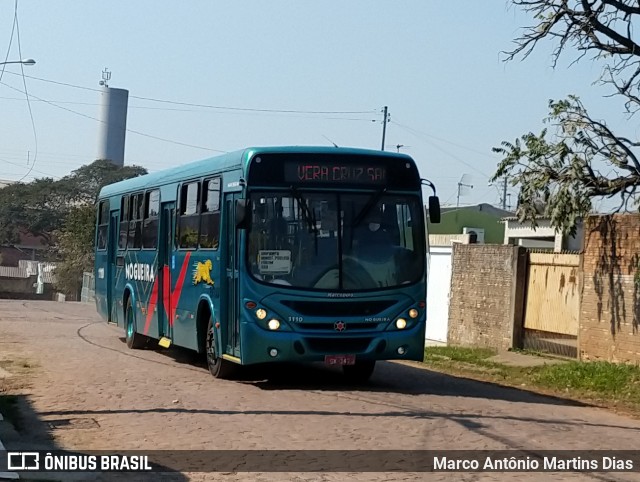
[89, 392]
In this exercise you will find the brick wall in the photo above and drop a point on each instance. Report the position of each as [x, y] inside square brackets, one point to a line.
[611, 297]
[487, 290]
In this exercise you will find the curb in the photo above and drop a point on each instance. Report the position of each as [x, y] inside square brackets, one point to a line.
[6, 475]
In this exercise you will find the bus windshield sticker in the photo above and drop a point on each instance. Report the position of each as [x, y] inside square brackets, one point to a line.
[274, 261]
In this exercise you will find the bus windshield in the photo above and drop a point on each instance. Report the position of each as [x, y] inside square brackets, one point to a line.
[335, 241]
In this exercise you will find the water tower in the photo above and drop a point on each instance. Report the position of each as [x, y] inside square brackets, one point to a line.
[113, 121]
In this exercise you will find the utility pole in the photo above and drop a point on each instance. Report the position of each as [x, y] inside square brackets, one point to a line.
[384, 124]
[504, 194]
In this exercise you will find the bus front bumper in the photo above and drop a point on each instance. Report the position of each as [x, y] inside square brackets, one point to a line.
[262, 346]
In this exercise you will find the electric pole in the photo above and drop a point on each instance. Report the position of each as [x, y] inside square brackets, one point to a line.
[384, 124]
[504, 194]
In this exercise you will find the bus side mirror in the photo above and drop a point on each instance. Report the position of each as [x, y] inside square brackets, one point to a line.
[434, 209]
[242, 213]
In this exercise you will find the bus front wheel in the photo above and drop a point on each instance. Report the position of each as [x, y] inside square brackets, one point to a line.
[218, 367]
[134, 339]
[360, 372]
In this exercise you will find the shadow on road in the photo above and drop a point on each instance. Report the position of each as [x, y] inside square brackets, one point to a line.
[27, 431]
[388, 377]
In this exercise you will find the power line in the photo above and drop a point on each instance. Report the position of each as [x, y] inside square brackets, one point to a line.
[447, 141]
[128, 130]
[26, 93]
[209, 106]
[13, 28]
[419, 134]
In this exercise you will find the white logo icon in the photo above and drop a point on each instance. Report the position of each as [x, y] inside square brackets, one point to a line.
[23, 460]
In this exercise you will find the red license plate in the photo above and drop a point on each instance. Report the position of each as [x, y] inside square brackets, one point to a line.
[340, 359]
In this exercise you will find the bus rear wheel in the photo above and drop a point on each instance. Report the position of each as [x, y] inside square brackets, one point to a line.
[360, 372]
[218, 367]
[134, 339]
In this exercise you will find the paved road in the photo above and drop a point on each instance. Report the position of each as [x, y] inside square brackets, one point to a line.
[91, 393]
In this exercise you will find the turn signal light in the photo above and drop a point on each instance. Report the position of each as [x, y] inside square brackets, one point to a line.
[413, 313]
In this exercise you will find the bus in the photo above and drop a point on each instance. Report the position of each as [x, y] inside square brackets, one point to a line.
[270, 254]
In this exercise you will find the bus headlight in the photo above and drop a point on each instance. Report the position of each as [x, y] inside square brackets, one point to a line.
[261, 313]
[413, 313]
[273, 324]
[401, 323]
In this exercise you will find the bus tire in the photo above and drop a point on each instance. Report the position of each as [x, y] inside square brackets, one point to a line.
[134, 339]
[218, 367]
[360, 372]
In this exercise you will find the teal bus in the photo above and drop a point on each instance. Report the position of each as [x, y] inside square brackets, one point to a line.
[275, 254]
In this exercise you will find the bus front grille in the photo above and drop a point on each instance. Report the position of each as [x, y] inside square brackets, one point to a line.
[338, 345]
[332, 326]
[339, 308]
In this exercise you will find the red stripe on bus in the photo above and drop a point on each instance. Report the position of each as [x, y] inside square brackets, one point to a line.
[153, 301]
[169, 300]
[175, 296]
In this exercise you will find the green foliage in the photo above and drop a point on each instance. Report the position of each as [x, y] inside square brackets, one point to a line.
[561, 172]
[74, 247]
[40, 207]
[596, 377]
[457, 353]
[62, 212]
[74, 242]
[606, 383]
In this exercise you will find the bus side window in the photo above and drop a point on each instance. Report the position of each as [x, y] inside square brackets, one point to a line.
[188, 215]
[124, 222]
[135, 224]
[150, 225]
[103, 224]
[210, 219]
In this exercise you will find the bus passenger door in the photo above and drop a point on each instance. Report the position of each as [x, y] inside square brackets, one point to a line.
[166, 262]
[112, 246]
[231, 303]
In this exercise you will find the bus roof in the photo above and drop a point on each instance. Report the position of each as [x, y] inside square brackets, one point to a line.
[228, 161]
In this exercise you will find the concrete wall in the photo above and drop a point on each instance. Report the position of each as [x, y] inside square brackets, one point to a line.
[610, 309]
[487, 293]
[23, 288]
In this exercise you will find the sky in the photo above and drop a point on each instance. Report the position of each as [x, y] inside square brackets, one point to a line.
[210, 76]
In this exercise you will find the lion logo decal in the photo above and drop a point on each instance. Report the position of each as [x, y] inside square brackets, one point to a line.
[202, 272]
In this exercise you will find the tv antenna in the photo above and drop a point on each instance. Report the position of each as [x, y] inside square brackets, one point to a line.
[462, 185]
[106, 77]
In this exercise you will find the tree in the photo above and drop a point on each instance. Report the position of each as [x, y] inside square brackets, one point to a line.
[582, 158]
[89, 179]
[74, 242]
[39, 208]
[74, 245]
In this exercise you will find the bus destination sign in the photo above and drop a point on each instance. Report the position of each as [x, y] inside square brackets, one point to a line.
[327, 172]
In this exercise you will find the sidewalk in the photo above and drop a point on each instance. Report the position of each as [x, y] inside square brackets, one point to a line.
[516, 359]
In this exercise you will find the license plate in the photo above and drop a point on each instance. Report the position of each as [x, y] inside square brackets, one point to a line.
[340, 359]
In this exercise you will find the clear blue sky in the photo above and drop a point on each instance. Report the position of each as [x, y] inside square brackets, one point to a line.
[436, 64]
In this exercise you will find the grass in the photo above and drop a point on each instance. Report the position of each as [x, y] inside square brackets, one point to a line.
[602, 383]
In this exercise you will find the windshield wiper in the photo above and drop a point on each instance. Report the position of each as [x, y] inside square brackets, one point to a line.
[373, 200]
[307, 216]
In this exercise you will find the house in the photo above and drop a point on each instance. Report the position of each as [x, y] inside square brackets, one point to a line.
[481, 221]
[543, 236]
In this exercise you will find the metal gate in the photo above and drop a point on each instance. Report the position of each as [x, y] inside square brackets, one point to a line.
[552, 303]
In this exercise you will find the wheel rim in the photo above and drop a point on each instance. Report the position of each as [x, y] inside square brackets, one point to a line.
[129, 324]
[212, 359]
